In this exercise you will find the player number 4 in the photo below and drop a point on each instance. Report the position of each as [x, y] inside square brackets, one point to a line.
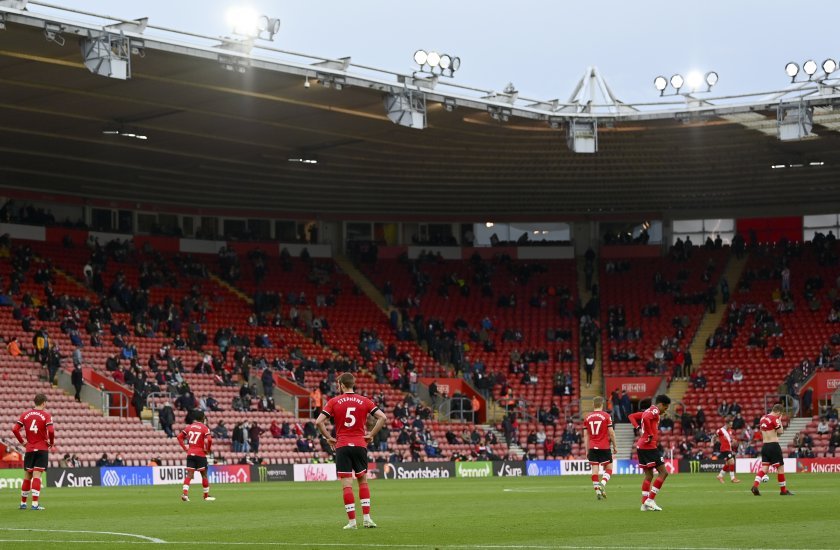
[33, 428]
[350, 420]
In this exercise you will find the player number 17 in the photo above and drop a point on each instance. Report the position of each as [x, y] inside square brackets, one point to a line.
[595, 426]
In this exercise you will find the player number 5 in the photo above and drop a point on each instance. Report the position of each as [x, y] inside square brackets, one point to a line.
[350, 420]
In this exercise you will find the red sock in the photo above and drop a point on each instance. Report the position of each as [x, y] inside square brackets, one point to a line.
[782, 483]
[187, 481]
[758, 477]
[205, 484]
[24, 491]
[657, 484]
[606, 477]
[349, 503]
[36, 490]
[364, 497]
[645, 490]
[595, 481]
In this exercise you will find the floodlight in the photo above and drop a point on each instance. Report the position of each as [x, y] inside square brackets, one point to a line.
[268, 25]
[243, 20]
[445, 61]
[792, 69]
[829, 66]
[488, 225]
[810, 67]
[711, 78]
[456, 63]
[694, 80]
[660, 83]
[420, 57]
[677, 81]
[433, 59]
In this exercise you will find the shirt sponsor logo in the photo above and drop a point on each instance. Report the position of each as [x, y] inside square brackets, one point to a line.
[473, 469]
[544, 468]
[126, 476]
[409, 470]
[509, 469]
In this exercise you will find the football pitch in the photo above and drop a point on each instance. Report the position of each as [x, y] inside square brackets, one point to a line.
[525, 513]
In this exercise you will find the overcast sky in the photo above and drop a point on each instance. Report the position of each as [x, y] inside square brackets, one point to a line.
[543, 47]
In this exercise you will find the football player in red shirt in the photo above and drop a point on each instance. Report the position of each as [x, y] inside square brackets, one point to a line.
[727, 453]
[771, 451]
[599, 440]
[37, 424]
[647, 449]
[196, 441]
[349, 412]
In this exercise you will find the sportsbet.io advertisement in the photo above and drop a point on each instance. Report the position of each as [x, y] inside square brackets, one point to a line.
[267, 473]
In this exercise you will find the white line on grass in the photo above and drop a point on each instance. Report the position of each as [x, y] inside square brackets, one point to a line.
[368, 545]
[110, 533]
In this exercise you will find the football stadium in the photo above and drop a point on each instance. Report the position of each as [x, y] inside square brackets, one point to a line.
[255, 297]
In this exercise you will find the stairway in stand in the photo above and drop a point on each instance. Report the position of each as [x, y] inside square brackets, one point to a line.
[708, 325]
[624, 439]
[597, 386]
[796, 425]
[364, 284]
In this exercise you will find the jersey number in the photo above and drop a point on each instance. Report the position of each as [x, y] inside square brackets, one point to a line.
[33, 428]
[194, 436]
[349, 419]
[595, 426]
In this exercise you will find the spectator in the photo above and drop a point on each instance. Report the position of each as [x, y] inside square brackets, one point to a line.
[166, 417]
[737, 375]
[103, 461]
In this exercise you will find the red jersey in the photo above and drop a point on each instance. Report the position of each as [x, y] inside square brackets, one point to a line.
[649, 422]
[598, 425]
[349, 412]
[37, 424]
[196, 439]
[770, 423]
[725, 439]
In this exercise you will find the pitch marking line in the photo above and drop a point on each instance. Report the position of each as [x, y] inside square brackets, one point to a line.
[152, 540]
[109, 533]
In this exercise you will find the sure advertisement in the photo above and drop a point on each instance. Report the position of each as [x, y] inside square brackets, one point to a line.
[473, 469]
[315, 472]
[74, 477]
[509, 468]
[418, 470]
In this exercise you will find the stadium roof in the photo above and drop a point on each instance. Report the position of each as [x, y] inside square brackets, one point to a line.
[223, 139]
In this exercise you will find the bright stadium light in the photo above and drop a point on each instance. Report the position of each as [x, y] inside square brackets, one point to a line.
[694, 79]
[829, 66]
[243, 20]
[810, 68]
[660, 83]
[711, 79]
[677, 82]
[436, 63]
[792, 69]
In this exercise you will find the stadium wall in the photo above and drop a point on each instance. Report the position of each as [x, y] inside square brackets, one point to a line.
[12, 479]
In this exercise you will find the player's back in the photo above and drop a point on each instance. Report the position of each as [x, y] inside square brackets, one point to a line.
[598, 423]
[725, 438]
[36, 423]
[197, 436]
[349, 412]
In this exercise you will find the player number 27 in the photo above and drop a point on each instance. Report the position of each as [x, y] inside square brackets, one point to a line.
[194, 437]
[349, 419]
[595, 426]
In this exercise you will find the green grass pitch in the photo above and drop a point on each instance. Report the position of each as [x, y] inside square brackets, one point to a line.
[538, 512]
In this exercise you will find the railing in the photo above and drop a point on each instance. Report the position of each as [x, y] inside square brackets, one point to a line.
[568, 410]
[155, 401]
[462, 411]
[791, 405]
[115, 404]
